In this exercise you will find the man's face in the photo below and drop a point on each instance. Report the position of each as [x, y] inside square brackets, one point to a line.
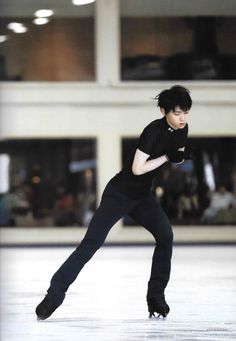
[177, 118]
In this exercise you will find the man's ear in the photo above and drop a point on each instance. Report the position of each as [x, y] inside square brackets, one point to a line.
[163, 111]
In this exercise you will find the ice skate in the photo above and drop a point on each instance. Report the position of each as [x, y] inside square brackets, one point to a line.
[158, 305]
[48, 305]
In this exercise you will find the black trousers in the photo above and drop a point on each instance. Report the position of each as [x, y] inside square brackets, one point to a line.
[114, 205]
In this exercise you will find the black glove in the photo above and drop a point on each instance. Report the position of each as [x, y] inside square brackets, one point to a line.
[178, 156]
[175, 156]
[189, 153]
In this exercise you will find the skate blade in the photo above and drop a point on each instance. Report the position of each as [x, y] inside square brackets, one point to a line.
[40, 318]
[159, 316]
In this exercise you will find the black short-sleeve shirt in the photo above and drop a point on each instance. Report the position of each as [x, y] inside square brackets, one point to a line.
[155, 140]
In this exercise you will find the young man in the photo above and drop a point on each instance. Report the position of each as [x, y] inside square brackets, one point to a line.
[129, 192]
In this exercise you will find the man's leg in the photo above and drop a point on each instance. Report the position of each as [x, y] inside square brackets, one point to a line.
[113, 206]
[150, 215]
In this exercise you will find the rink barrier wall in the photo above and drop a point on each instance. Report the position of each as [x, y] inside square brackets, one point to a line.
[184, 235]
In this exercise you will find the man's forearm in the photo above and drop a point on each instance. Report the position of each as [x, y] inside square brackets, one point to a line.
[152, 164]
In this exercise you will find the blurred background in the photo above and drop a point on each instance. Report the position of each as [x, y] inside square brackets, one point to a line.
[77, 88]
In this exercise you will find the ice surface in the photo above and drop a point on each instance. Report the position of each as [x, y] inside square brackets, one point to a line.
[107, 301]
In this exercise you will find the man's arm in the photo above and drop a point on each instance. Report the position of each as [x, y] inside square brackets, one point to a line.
[141, 165]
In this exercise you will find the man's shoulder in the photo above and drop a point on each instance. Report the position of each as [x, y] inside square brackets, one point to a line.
[153, 125]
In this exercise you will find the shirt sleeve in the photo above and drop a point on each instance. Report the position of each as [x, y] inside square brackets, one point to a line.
[146, 140]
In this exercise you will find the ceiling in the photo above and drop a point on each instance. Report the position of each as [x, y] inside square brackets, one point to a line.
[64, 8]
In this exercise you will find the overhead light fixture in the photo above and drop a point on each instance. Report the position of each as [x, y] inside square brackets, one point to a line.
[82, 2]
[44, 13]
[14, 25]
[40, 21]
[21, 29]
[3, 38]
[17, 27]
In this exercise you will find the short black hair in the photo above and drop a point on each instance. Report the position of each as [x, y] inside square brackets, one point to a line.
[177, 95]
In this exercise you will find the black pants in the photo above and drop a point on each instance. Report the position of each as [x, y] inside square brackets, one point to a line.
[146, 212]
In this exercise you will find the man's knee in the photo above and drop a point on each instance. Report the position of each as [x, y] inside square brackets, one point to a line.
[165, 238]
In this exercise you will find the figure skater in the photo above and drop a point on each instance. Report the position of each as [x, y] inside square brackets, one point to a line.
[129, 193]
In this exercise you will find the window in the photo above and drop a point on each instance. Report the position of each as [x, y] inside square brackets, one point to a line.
[61, 50]
[47, 182]
[199, 192]
[178, 48]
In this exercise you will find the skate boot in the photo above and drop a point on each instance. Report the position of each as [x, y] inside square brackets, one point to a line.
[48, 305]
[158, 305]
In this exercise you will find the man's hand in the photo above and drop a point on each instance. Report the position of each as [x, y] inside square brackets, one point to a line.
[178, 156]
[189, 153]
[175, 156]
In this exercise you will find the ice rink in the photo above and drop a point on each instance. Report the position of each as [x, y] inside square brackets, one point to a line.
[107, 301]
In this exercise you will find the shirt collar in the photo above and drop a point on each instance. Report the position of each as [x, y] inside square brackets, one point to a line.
[167, 126]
